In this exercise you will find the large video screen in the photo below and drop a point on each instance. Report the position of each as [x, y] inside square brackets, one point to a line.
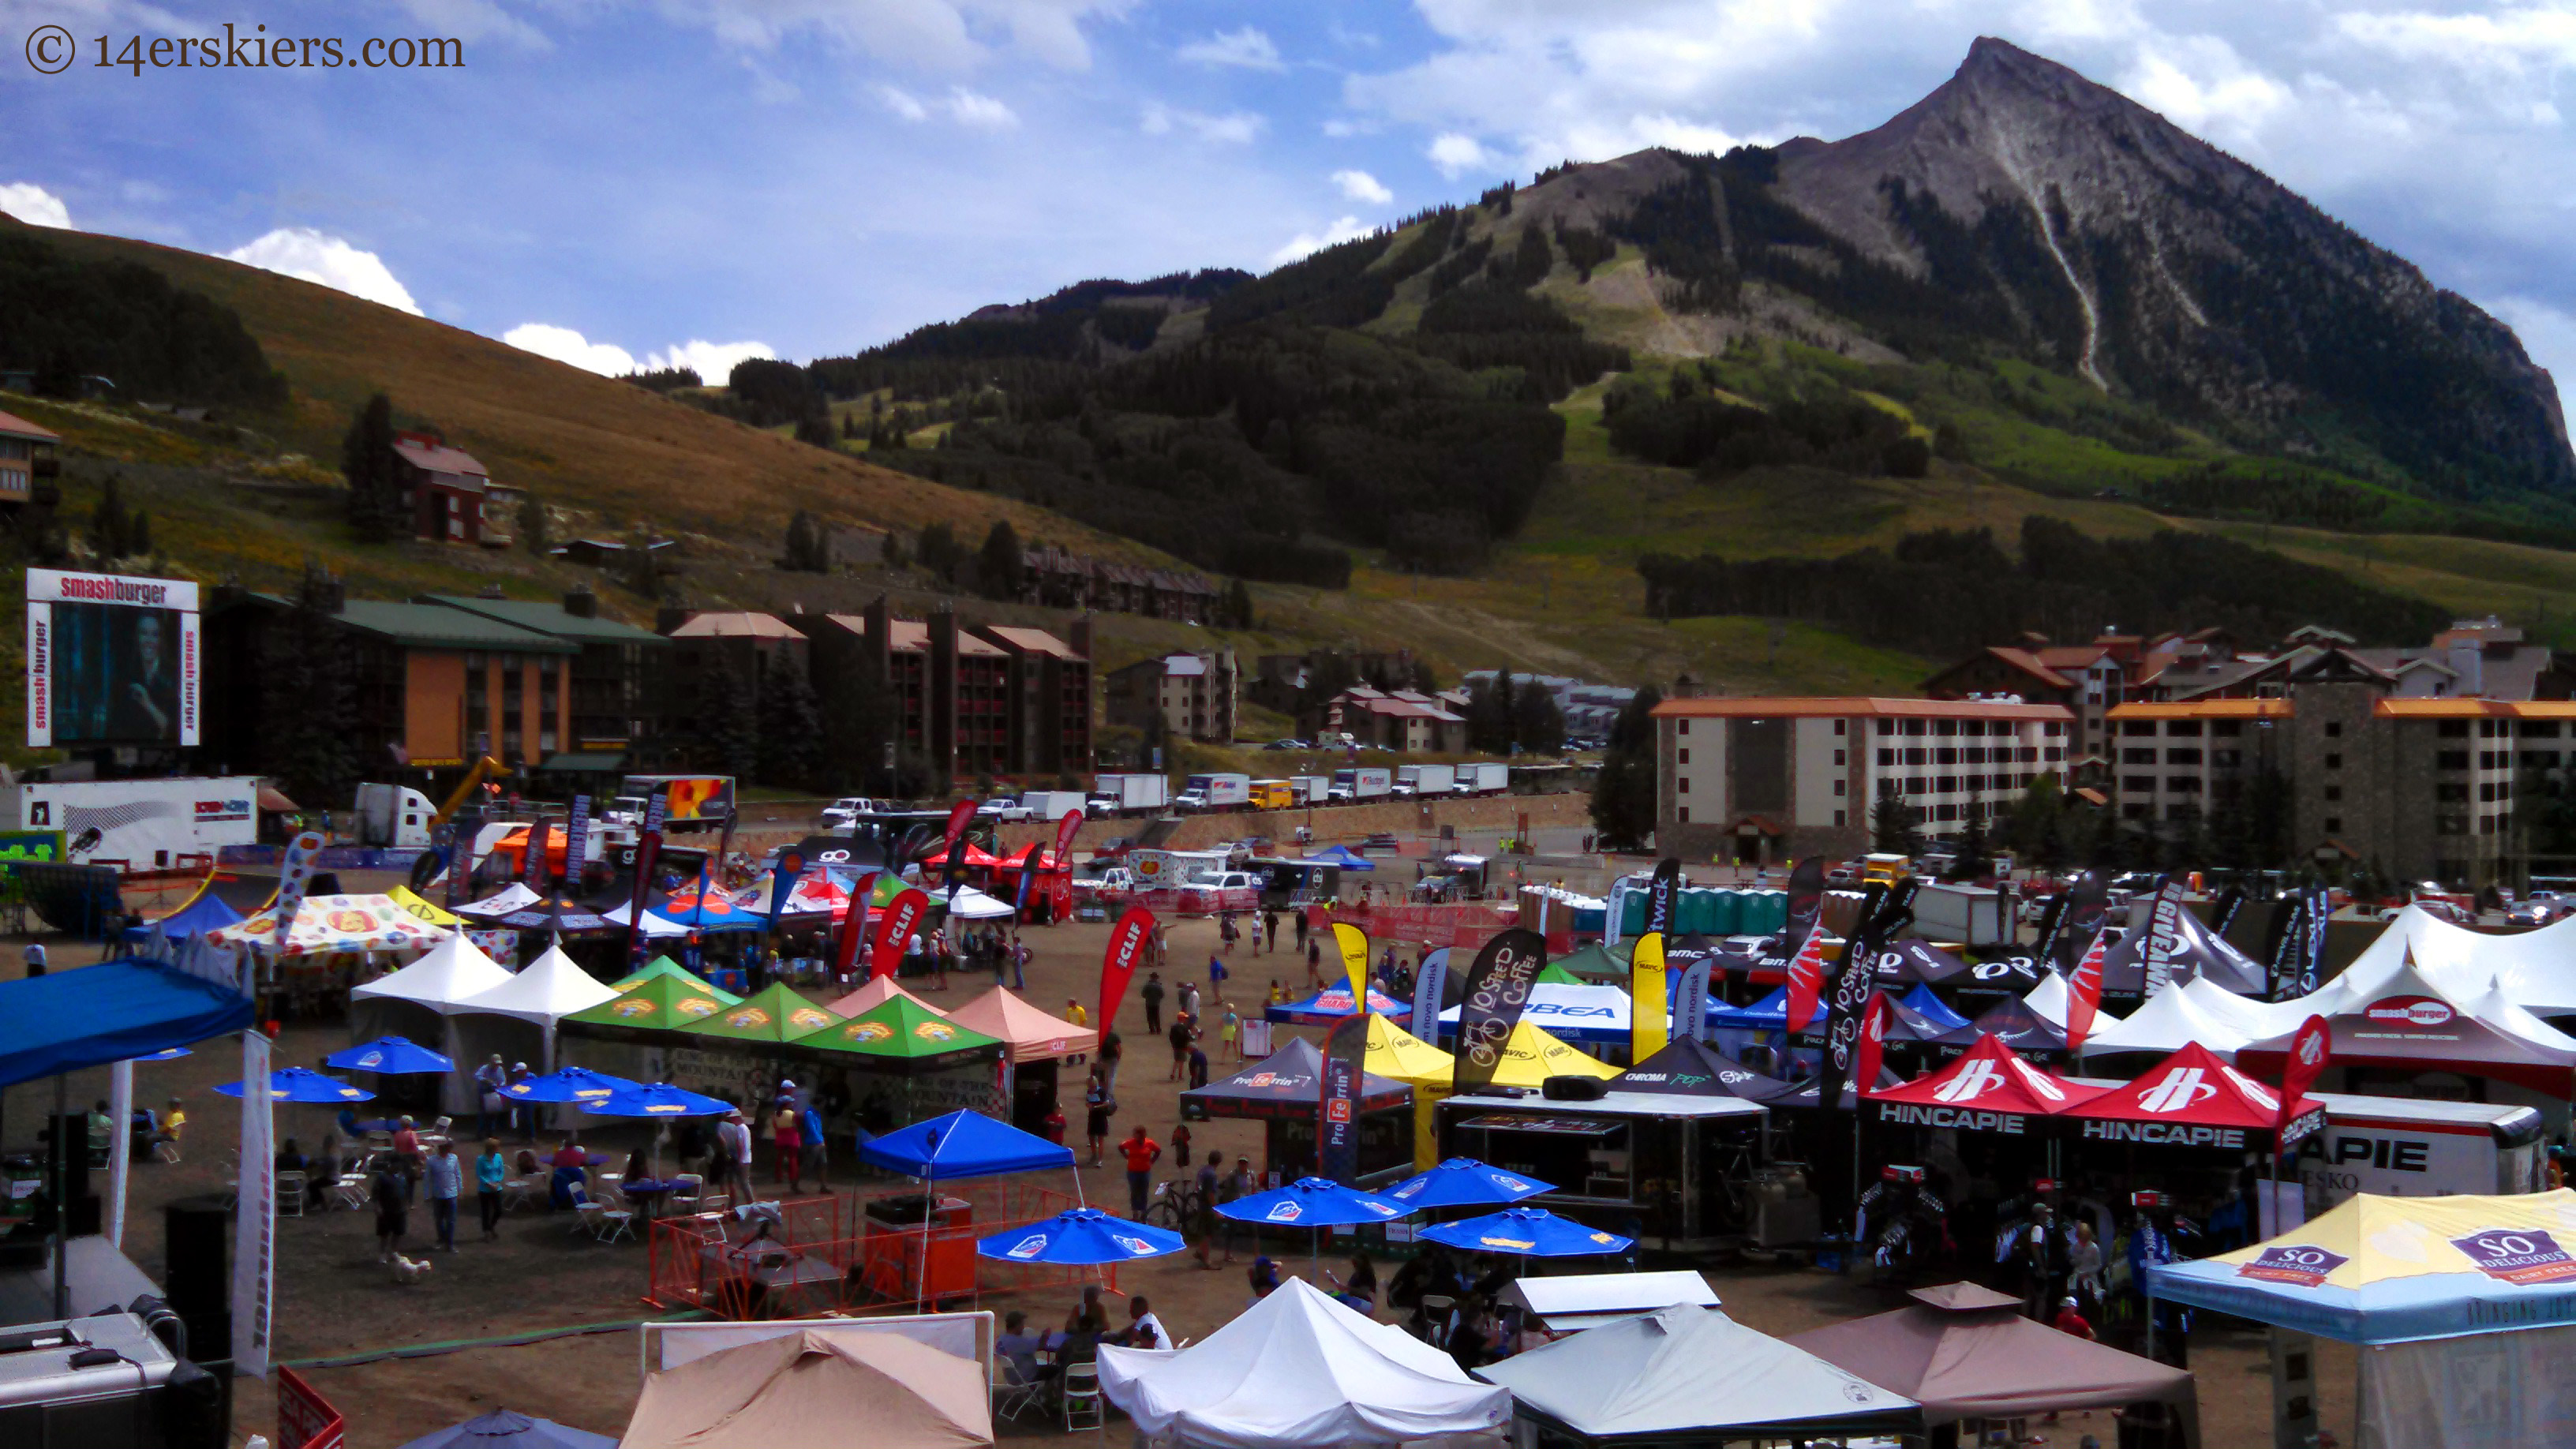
[111, 660]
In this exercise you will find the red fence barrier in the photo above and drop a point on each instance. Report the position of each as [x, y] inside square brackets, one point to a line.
[814, 1260]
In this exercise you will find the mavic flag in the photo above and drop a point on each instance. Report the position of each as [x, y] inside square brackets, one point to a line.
[854, 927]
[1497, 987]
[2084, 991]
[1648, 1029]
[1884, 912]
[1118, 964]
[2319, 913]
[1661, 894]
[1354, 946]
[1807, 978]
[1338, 1133]
[894, 931]
[2310, 1049]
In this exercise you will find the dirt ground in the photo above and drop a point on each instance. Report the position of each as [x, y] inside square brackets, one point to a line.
[334, 1300]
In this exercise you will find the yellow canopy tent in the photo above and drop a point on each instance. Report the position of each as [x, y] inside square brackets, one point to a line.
[1531, 1055]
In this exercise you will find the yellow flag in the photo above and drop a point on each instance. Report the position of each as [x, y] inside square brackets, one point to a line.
[1649, 1019]
[1355, 960]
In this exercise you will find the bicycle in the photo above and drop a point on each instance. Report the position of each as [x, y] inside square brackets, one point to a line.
[1176, 1206]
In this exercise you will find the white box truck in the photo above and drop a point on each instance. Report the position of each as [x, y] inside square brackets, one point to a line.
[1424, 779]
[1051, 805]
[142, 825]
[1971, 915]
[394, 816]
[1215, 792]
[1483, 779]
[2404, 1147]
[1354, 785]
[1130, 794]
[1309, 789]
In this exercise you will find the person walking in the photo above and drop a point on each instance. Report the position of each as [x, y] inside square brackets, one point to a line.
[392, 1195]
[1190, 999]
[1019, 963]
[1252, 924]
[446, 1177]
[1151, 993]
[1300, 917]
[1198, 1066]
[1270, 927]
[1113, 1052]
[491, 1171]
[733, 1144]
[525, 1112]
[489, 1079]
[1097, 1105]
[1141, 1152]
[809, 1126]
[1229, 1029]
[1314, 960]
[1180, 1035]
[787, 1138]
[1080, 1016]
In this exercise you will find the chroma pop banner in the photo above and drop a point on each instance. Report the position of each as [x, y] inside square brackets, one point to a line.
[1647, 1027]
[2310, 1049]
[1118, 963]
[1354, 946]
[894, 931]
[1061, 855]
[1871, 1058]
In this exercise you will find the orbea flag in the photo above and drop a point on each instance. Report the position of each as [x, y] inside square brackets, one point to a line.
[1118, 964]
[894, 932]
[1648, 1028]
[1354, 944]
[2084, 992]
[1807, 979]
[854, 927]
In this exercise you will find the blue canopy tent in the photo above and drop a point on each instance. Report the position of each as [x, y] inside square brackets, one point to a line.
[205, 913]
[961, 1144]
[1332, 1004]
[1931, 1008]
[111, 1012]
[1340, 855]
[1771, 1013]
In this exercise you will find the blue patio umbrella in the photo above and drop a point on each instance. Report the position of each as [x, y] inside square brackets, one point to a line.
[1465, 1182]
[390, 1056]
[1080, 1237]
[303, 1084]
[509, 1429]
[657, 1100]
[1312, 1202]
[167, 1054]
[570, 1084]
[1527, 1233]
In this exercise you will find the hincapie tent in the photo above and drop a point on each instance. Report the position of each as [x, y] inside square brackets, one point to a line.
[2409, 1021]
[1687, 1373]
[808, 1390]
[2193, 1099]
[1987, 1090]
[1965, 1352]
[1030, 1034]
[1299, 1371]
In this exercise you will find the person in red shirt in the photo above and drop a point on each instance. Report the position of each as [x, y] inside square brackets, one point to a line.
[1142, 1153]
[2070, 1319]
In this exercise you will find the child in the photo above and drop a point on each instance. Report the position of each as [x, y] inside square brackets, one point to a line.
[1181, 1145]
[1226, 1026]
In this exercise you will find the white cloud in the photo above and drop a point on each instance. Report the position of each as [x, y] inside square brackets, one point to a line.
[903, 104]
[33, 204]
[2203, 86]
[1247, 48]
[1361, 186]
[478, 20]
[1305, 243]
[300, 251]
[978, 112]
[2541, 37]
[1234, 128]
[1456, 155]
[713, 361]
[937, 34]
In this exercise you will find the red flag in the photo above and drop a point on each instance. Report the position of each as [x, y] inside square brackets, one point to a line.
[1062, 855]
[2310, 1049]
[1872, 1056]
[854, 927]
[1118, 964]
[2084, 991]
[894, 931]
[1807, 979]
[960, 815]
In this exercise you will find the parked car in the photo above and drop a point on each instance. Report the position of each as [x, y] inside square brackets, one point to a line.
[1001, 810]
[1285, 745]
[1382, 840]
[846, 809]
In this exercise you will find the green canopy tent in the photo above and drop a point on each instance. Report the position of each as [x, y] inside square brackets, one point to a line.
[664, 966]
[772, 1016]
[646, 1011]
[901, 1037]
[1593, 964]
[1552, 974]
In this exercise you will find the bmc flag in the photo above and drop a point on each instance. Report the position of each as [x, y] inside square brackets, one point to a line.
[854, 927]
[648, 851]
[576, 844]
[1660, 895]
[1497, 987]
[532, 857]
[1807, 977]
[1338, 1133]
[1648, 1029]
[2310, 1049]
[2084, 991]
[1354, 945]
[894, 931]
[1118, 964]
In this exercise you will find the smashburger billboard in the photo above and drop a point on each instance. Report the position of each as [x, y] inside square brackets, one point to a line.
[2411, 1016]
[112, 660]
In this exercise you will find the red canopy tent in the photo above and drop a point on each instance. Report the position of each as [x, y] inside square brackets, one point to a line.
[2194, 1099]
[1988, 1090]
[975, 858]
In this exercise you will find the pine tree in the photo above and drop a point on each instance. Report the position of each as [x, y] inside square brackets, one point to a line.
[791, 726]
[1974, 860]
[1895, 827]
[138, 535]
[535, 528]
[1623, 796]
[307, 696]
[892, 550]
[1238, 605]
[107, 524]
[367, 460]
[998, 564]
[728, 724]
[1538, 726]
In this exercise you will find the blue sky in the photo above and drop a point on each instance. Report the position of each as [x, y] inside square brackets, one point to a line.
[610, 181]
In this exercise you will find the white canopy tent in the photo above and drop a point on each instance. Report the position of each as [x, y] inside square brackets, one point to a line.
[425, 996]
[1691, 1374]
[1300, 1371]
[2413, 1019]
[970, 904]
[1576, 1301]
[2047, 1001]
[513, 897]
[2537, 968]
[2167, 1022]
[656, 927]
[525, 1008]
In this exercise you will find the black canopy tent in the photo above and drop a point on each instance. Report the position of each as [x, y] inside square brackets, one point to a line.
[1284, 1092]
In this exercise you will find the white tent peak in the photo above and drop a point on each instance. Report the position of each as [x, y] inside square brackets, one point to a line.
[454, 970]
[550, 989]
[1682, 1369]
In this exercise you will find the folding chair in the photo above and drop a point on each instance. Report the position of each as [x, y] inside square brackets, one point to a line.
[350, 1191]
[1013, 1395]
[290, 1194]
[1082, 1397]
[518, 1192]
[1435, 1311]
[686, 1188]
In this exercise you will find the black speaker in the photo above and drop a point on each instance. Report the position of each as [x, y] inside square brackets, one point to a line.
[1575, 1089]
[199, 1272]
